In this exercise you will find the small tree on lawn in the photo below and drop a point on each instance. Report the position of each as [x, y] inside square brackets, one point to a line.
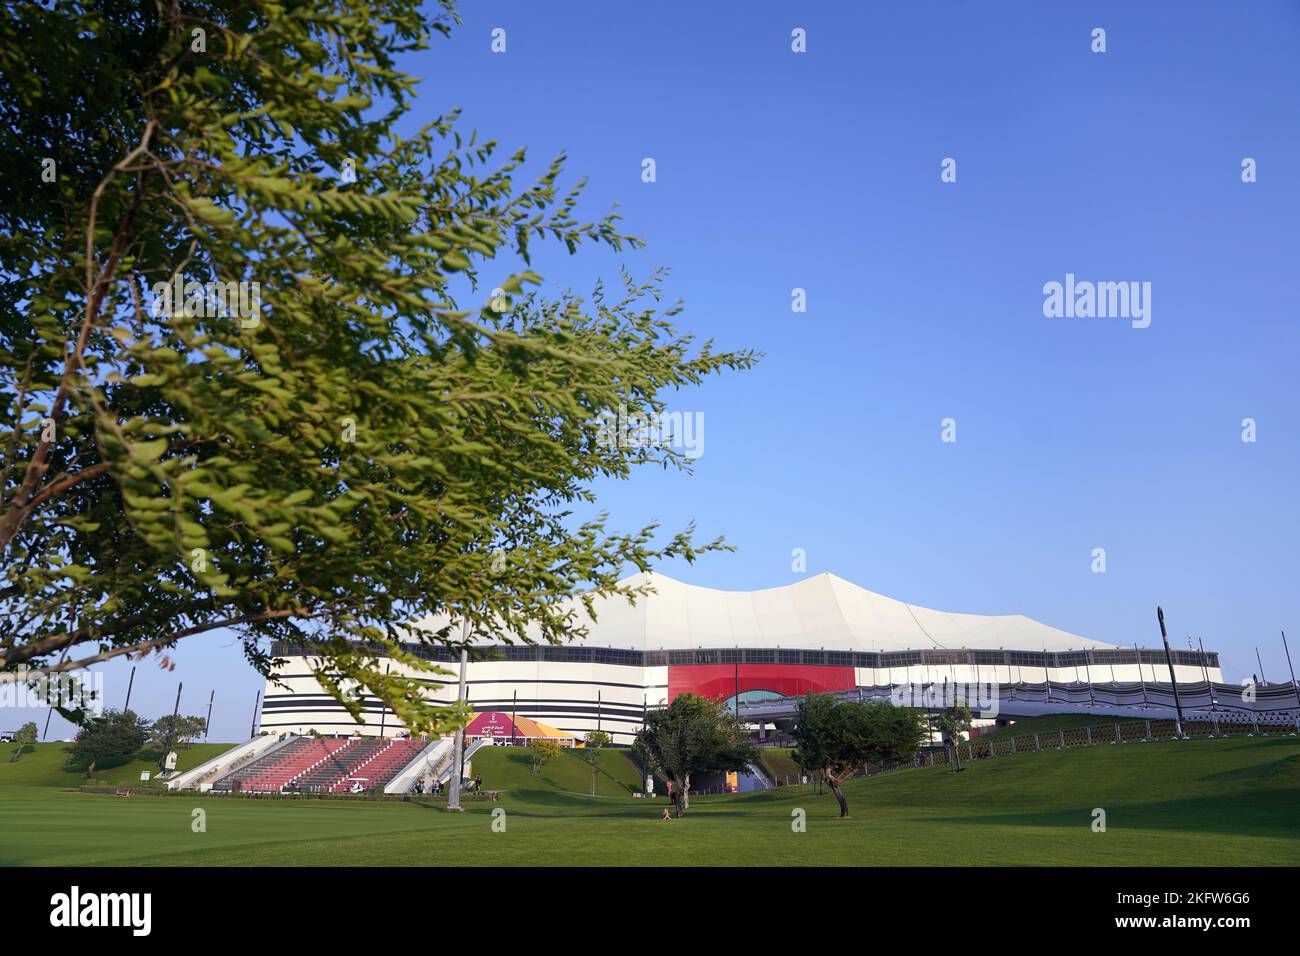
[540, 751]
[594, 740]
[25, 735]
[118, 733]
[952, 723]
[839, 739]
[693, 735]
[176, 732]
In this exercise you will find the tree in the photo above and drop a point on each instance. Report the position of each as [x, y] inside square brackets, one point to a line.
[175, 733]
[594, 740]
[840, 739]
[691, 736]
[24, 737]
[116, 733]
[251, 375]
[540, 751]
[952, 723]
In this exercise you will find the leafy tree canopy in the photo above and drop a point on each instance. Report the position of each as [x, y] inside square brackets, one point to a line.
[176, 733]
[265, 364]
[540, 751]
[692, 736]
[24, 737]
[839, 739]
[116, 733]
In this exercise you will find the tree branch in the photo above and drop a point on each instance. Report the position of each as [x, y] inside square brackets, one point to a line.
[81, 635]
[19, 508]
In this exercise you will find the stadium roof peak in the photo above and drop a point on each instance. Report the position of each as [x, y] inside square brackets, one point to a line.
[822, 611]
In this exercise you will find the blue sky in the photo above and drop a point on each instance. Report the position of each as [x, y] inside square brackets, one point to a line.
[820, 171]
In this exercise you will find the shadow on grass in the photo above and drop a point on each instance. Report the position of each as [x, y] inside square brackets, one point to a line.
[1282, 768]
[1270, 813]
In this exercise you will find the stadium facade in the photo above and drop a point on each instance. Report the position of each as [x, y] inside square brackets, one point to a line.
[819, 634]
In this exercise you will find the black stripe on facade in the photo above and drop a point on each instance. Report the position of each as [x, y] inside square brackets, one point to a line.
[567, 654]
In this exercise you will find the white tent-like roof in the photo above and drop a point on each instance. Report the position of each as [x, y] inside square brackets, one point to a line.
[820, 612]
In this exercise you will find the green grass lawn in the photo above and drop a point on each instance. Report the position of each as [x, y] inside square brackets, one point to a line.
[44, 765]
[507, 768]
[1194, 803]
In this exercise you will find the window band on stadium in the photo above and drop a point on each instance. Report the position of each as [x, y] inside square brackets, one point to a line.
[876, 661]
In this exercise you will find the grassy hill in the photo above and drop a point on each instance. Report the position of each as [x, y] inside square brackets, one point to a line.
[507, 768]
[43, 765]
[776, 761]
[1051, 723]
[1191, 803]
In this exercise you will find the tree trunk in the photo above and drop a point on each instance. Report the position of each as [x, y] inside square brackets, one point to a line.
[836, 789]
[677, 798]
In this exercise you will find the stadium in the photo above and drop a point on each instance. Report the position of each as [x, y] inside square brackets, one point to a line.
[762, 648]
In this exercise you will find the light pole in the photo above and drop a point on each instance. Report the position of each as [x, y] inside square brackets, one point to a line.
[1205, 668]
[1169, 659]
[1142, 677]
[1295, 687]
[50, 713]
[458, 750]
[171, 731]
[383, 708]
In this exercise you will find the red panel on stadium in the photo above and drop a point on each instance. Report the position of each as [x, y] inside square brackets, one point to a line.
[718, 681]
